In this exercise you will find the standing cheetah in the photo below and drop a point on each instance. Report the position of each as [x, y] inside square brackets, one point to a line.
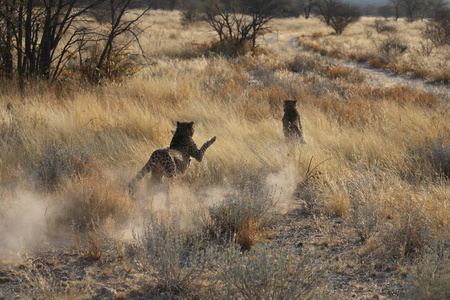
[292, 127]
[175, 159]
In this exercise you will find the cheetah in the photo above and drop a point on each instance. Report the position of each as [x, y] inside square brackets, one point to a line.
[292, 127]
[176, 158]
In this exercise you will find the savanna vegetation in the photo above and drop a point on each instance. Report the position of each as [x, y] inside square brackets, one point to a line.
[360, 211]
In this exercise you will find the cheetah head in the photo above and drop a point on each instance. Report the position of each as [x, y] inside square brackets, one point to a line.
[185, 128]
[290, 104]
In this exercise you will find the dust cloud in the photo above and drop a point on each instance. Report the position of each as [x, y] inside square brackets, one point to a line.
[22, 223]
[282, 186]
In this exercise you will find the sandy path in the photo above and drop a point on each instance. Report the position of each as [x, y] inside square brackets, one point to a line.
[377, 77]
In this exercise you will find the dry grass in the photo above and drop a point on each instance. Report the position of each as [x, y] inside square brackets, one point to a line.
[381, 155]
[409, 55]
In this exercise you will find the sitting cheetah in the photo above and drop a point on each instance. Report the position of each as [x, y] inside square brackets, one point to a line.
[292, 127]
[176, 158]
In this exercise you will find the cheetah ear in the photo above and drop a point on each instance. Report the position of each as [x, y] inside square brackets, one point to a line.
[178, 123]
[295, 102]
[191, 124]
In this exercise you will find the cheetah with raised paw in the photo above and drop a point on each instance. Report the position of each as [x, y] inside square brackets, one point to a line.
[292, 127]
[175, 159]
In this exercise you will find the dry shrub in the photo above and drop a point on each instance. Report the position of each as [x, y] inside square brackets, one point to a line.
[420, 72]
[378, 63]
[231, 47]
[316, 35]
[116, 68]
[437, 29]
[58, 162]
[190, 16]
[366, 208]
[402, 95]
[244, 214]
[333, 197]
[309, 46]
[89, 246]
[414, 218]
[428, 161]
[250, 234]
[305, 63]
[266, 273]
[439, 76]
[401, 68]
[355, 112]
[338, 72]
[192, 50]
[9, 134]
[90, 201]
[391, 47]
[312, 47]
[42, 280]
[408, 232]
[429, 277]
[177, 258]
[382, 26]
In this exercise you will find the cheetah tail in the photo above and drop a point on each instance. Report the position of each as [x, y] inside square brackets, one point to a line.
[138, 177]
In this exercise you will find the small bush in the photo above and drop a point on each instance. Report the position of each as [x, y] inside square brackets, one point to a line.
[265, 273]
[437, 30]
[42, 281]
[366, 210]
[429, 160]
[101, 14]
[377, 63]
[305, 63]
[230, 47]
[391, 47]
[89, 246]
[440, 156]
[177, 257]
[9, 134]
[381, 26]
[244, 214]
[338, 72]
[58, 162]
[190, 16]
[116, 68]
[317, 35]
[90, 201]
[430, 276]
[410, 229]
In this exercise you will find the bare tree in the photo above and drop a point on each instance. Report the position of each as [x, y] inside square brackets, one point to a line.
[436, 7]
[39, 37]
[240, 21]
[307, 6]
[437, 29]
[397, 4]
[34, 30]
[336, 14]
[324, 9]
[412, 8]
[118, 26]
